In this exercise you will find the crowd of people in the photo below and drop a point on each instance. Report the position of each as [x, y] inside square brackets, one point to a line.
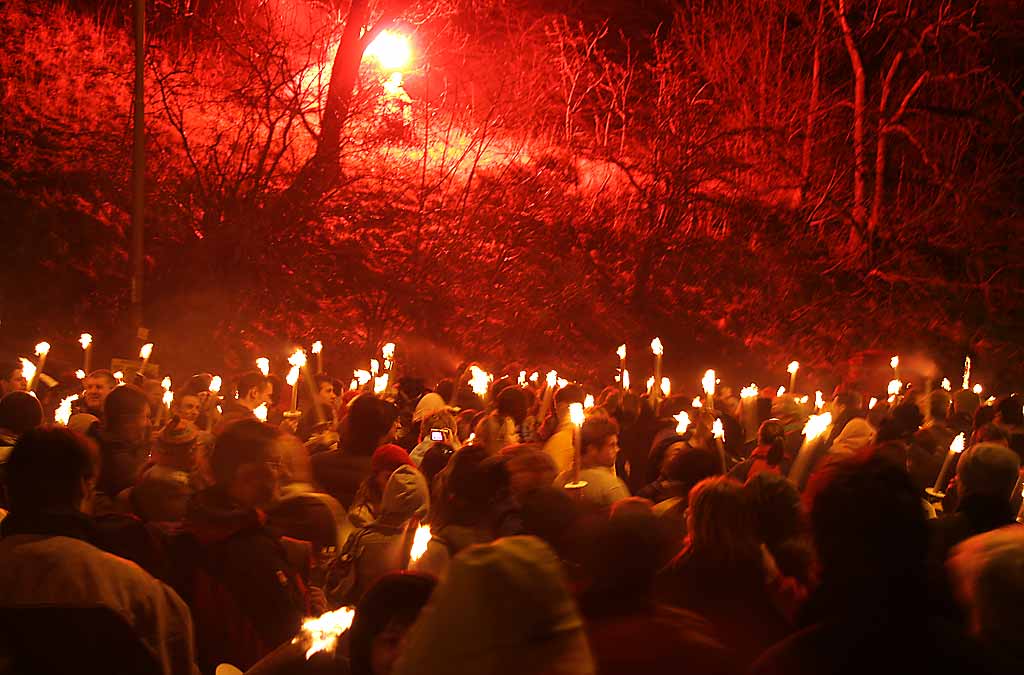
[657, 534]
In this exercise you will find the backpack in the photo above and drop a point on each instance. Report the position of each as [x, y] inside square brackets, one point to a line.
[342, 575]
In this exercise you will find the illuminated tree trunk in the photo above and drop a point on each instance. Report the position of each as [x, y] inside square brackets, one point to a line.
[812, 106]
[859, 210]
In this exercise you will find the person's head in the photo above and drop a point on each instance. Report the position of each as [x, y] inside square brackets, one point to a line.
[567, 395]
[252, 389]
[513, 402]
[326, 394]
[778, 511]
[1010, 412]
[988, 574]
[990, 433]
[987, 470]
[98, 385]
[12, 378]
[772, 435]
[20, 412]
[246, 462]
[966, 402]
[690, 465]
[383, 463]
[845, 401]
[126, 413]
[51, 469]
[187, 406]
[938, 405]
[472, 484]
[868, 525]
[529, 468]
[176, 444]
[383, 616]
[720, 522]
[443, 420]
[599, 442]
[371, 422]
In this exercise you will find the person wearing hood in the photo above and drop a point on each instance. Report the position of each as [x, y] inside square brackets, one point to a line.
[500, 428]
[383, 545]
[366, 504]
[502, 609]
[768, 456]
[243, 582]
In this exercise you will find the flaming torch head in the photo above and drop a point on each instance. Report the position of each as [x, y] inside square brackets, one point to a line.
[388, 351]
[588, 401]
[894, 362]
[146, 351]
[322, 633]
[749, 392]
[621, 351]
[42, 349]
[263, 363]
[967, 372]
[362, 376]
[317, 347]
[298, 358]
[63, 412]
[28, 369]
[650, 384]
[894, 387]
[780, 391]
[708, 382]
[215, 384]
[625, 379]
[793, 367]
[419, 543]
[656, 347]
[293, 376]
[697, 403]
[166, 383]
[957, 445]
[946, 384]
[872, 403]
[479, 380]
[85, 339]
[522, 378]
[375, 366]
[380, 384]
[816, 425]
[119, 376]
[534, 376]
[80, 374]
[551, 378]
[576, 415]
[682, 422]
[261, 412]
[666, 387]
[168, 398]
[819, 400]
[977, 389]
[718, 430]
[562, 383]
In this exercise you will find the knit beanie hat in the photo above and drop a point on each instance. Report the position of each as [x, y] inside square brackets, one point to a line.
[988, 469]
[388, 458]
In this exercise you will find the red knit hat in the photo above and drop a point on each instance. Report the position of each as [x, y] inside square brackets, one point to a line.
[389, 457]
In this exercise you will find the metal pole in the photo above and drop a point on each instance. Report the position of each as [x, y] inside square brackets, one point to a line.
[138, 165]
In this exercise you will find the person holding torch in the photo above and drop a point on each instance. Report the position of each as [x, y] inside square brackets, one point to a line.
[599, 446]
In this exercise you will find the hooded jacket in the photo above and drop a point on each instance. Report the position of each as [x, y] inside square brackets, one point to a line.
[503, 609]
[246, 595]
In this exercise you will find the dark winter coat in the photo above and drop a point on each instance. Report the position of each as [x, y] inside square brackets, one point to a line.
[340, 474]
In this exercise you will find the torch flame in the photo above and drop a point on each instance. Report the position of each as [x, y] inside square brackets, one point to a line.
[894, 387]
[28, 369]
[967, 372]
[119, 376]
[374, 366]
[85, 339]
[819, 401]
[650, 384]
[804, 399]
[146, 351]
[522, 378]
[480, 380]
[534, 376]
[894, 362]
[317, 347]
[63, 412]
[780, 391]
[562, 383]
[380, 384]
[298, 358]
[682, 422]
[718, 430]
[362, 376]
[576, 415]
[419, 543]
[166, 383]
[872, 403]
[388, 351]
[656, 347]
[168, 398]
[293, 376]
[353, 385]
[80, 374]
[696, 402]
[588, 401]
[793, 367]
[957, 445]
[666, 387]
[749, 392]
[551, 378]
[263, 364]
[261, 412]
[621, 351]
[708, 382]
[42, 349]
[625, 379]
[322, 632]
[215, 384]
[816, 425]
[946, 384]
[977, 389]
